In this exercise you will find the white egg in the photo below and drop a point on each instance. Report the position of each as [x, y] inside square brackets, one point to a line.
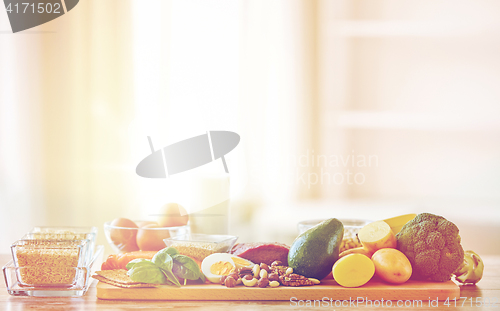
[231, 262]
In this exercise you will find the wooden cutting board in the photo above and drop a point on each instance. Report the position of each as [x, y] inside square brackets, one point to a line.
[373, 290]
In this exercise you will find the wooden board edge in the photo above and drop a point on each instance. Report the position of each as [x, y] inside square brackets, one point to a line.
[215, 293]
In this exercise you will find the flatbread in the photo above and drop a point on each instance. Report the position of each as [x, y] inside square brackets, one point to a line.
[120, 278]
[107, 281]
[116, 275]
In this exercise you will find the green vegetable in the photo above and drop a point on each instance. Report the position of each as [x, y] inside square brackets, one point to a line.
[432, 245]
[147, 272]
[170, 250]
[186, 268]
[163, 260]
[166, 267]
[471, 269]
[171, 277]
[202, 278]
[314, 252]
[133, 262]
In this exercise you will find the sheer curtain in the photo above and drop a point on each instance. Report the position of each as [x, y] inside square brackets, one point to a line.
[80, 94]
[20, 147]
[65, 106]
[228, 65]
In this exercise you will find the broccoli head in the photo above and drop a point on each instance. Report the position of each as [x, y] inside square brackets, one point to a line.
[432, 245]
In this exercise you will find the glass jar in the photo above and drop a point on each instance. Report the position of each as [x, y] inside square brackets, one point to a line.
[351, 229]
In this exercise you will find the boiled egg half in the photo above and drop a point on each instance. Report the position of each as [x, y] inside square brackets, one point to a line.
[216, 265]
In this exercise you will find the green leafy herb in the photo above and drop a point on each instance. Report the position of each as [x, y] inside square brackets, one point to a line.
[163, 259]
[203, 278]
[170, 250]
[171, 277]
[147, 272]
[166, 267]
[133, 262]
[186, 268]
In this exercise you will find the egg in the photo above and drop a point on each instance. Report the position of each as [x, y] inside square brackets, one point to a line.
[170, 215]
[149, 239]
[124, 239]
[216, 265]
[142, 223]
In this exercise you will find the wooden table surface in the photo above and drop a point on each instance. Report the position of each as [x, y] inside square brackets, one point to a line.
[488, 287]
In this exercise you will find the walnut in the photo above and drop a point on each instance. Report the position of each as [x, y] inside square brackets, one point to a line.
[279, 270]
[295, 280]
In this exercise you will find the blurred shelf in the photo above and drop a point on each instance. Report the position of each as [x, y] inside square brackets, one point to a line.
[476, 218]
[412, 121]
[394, 28]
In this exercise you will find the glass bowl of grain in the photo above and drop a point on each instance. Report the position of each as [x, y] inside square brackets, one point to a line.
[49, 262]
[198, 246]
[351, 229]
[65, 234]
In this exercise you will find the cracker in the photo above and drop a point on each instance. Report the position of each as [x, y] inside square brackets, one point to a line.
[122, 285]
[120, 278]
[116, 275]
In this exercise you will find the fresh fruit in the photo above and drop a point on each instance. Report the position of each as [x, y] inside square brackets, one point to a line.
[396, 223]
[353, 270]
[173, 215]
[124, 239]
[391, 265]
[314, 252]
[150, 237]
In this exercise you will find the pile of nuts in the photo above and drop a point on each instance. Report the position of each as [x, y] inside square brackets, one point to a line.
[266, 276]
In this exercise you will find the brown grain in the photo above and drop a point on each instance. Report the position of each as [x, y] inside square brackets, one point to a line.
[47, 263]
